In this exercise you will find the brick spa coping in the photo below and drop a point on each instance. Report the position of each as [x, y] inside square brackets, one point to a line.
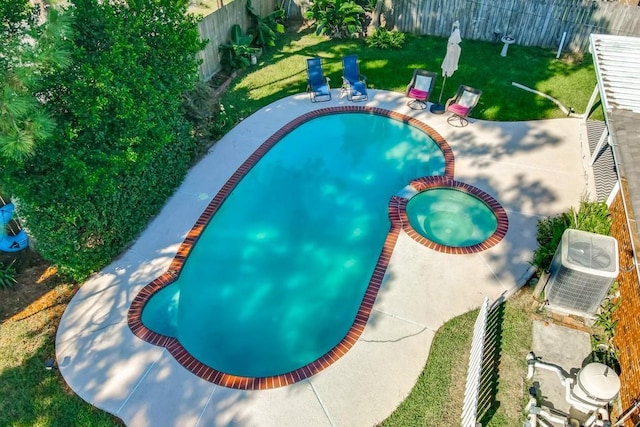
[431, 182]
[398, 222]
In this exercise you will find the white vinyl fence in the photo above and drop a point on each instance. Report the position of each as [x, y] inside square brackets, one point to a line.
[474, 373]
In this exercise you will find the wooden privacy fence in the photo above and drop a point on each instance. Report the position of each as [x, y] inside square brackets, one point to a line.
[216, 28]
[539, 23]
[532, 23]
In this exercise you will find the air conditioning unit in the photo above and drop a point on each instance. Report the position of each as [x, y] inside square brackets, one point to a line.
[582, 271]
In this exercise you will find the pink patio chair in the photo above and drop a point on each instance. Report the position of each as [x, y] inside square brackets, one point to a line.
[461, 104]
[420, 87]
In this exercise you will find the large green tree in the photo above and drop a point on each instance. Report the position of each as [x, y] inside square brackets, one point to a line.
[122, 144]
[31, 50]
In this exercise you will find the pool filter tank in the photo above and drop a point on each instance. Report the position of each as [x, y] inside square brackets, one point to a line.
[596, 384]
[592, 389]
[582, 271]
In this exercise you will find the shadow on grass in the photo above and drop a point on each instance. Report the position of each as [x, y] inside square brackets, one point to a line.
[32, 394]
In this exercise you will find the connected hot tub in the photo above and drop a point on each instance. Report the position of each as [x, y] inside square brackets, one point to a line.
[451, 217]
[454, 217]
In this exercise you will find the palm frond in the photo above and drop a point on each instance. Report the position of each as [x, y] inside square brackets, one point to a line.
[16, 146]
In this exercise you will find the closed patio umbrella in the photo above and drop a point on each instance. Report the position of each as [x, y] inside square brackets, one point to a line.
[450, 62]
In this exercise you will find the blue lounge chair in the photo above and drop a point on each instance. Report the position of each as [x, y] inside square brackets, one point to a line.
[420, 87]
[353, 83]
[317, 84]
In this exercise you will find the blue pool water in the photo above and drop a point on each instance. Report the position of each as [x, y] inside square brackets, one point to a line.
[451, 217]
[276, 278]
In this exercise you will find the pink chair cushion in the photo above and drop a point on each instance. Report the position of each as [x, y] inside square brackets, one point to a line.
[459, 109]
[417, 93]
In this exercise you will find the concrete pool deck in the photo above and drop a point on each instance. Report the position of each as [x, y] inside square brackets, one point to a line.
[534, 169]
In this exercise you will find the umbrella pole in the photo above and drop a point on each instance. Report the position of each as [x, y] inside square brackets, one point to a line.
[439, 108]
[442, 89]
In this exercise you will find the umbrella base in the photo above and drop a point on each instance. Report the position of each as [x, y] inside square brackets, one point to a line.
[437, 109]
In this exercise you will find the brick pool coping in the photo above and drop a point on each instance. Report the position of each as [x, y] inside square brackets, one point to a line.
[398, 221]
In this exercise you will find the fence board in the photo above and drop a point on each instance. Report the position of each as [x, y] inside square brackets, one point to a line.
[472, 390]
[216, 27]
[531, 23]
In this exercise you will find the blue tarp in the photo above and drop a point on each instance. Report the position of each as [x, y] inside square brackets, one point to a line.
[10, 243]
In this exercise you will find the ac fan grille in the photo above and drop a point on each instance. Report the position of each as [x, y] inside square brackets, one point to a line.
[578, 291]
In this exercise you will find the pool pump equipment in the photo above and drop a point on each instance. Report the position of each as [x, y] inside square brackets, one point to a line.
[590, 392]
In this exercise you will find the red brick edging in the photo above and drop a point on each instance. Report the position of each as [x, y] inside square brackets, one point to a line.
[134, 316]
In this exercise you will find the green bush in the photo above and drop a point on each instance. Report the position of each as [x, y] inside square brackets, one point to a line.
[385, 39]
[591, 216]
[122, 144]
[234, 55]
[549, 234]
[603, 349]
[266, 30]
[336, 18]
[221, 123]
[7, 276]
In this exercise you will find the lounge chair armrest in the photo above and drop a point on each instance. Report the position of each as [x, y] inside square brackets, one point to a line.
[449, 102]
[410, 86]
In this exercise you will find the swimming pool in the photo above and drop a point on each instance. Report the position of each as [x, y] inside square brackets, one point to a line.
[291, 255]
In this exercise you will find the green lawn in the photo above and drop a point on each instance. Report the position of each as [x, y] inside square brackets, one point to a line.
[282, 72]
[437, 397]
[33, 396]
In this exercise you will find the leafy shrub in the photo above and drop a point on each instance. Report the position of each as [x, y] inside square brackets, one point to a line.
[549, 235]
[221, 123]
[591, 216]
[7, 276]
[266, 29]
[235, 54]
[603, 349]
[122, 144]
[336, 18]
[385, 39]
